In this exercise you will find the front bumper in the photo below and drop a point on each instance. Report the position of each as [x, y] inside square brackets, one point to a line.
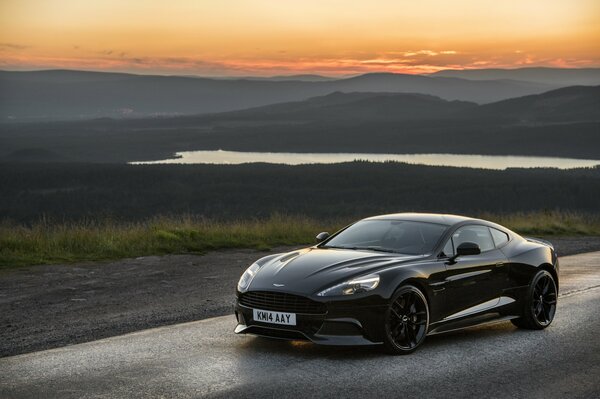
[345, 322]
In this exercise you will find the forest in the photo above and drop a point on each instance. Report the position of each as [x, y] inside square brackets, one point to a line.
[31, 192]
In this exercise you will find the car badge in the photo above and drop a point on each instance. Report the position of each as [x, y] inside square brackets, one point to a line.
[279, 285]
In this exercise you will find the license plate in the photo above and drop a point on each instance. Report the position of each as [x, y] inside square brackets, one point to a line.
[267, 316]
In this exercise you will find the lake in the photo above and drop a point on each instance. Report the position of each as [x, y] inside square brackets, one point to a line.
[288, 158]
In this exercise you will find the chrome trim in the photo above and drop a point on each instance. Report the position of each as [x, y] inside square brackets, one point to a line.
[467, 275]
[492, 321]
[492, 303]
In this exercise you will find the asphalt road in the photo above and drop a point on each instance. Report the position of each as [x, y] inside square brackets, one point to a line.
[75, 303]
[205, 359]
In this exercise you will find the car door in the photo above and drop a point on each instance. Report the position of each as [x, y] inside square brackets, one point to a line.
[475, 282]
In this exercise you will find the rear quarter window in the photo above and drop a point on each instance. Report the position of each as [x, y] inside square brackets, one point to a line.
[500, 237]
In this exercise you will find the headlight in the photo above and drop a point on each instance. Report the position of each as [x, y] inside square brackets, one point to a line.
[357, 285]
[247, 277]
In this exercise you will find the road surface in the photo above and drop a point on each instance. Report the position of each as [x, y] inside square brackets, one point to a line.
[205, 359]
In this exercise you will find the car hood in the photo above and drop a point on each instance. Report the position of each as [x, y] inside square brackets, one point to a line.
[311, 270]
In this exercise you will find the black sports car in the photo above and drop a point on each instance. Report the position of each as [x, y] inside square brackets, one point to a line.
[394, 279]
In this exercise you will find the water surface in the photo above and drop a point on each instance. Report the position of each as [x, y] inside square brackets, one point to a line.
[458, 160]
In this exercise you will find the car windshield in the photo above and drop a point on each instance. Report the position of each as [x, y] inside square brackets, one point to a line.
[397, 236]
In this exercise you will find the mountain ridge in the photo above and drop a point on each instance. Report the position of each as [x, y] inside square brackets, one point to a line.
[564, 76]
[563, 123]
[65, 94]
[564, 104]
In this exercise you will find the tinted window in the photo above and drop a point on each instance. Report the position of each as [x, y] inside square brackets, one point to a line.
[401, 236]
[480, 235]
[500, 237]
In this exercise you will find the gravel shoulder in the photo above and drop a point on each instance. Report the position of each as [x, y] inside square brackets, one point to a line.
[43, 307]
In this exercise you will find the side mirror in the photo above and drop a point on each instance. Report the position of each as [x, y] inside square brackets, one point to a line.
[464, 249]
[322, 236]
[468, 248]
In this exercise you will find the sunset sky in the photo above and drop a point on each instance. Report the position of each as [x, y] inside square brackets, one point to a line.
[282, 37]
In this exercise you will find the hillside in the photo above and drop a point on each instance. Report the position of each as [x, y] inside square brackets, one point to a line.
[352, 106]
[569, 104]
[68, 95]
[553, 76]
[576, 103]
[563, 123]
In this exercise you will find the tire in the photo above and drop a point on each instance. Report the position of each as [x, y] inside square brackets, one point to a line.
[540, 302]
[406, 321]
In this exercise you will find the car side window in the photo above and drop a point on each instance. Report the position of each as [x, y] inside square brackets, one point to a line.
[500, 237]
[448, 249]
[479, 235]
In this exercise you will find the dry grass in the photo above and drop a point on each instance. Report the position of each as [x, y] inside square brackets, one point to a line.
[552, 223]
[47, 242]
[70, 242]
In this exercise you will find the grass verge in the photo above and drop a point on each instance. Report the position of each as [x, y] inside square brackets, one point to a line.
[46, 242]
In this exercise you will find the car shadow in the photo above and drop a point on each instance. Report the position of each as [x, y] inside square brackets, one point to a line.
[304, 350]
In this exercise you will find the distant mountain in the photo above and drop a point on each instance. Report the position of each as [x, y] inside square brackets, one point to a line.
[552, 76]
[63, 76]
[60, 94]
[354, 106]
[563, 122]
[576, 103]
[446, 88]
[570, 103]
[282, 78]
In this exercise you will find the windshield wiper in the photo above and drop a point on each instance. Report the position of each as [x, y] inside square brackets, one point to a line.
[378, 249]
[338, 247]
[372, 248]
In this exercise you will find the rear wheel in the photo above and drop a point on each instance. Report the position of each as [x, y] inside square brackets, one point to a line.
[406, 321]
[540, 303]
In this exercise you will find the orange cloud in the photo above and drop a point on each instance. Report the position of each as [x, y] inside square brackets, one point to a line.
[426, 63]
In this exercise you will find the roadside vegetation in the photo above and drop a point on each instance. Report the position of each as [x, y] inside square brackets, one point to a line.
[46, 242]
[62, 213]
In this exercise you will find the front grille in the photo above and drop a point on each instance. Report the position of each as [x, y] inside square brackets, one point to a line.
[281, 302]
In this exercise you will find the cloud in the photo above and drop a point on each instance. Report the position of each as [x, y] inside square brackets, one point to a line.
[419, 52]
[417, 62]
[13, 46]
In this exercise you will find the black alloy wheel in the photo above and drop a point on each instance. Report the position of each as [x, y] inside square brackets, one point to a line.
[540, 303]
[406, 321]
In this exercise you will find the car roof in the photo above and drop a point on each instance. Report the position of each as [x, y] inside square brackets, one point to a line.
[439, 218]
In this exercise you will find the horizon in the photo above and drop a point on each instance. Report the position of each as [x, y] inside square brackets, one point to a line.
[242, 77]
[264, 39]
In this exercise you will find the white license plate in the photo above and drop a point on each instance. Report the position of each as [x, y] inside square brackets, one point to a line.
[267, 316]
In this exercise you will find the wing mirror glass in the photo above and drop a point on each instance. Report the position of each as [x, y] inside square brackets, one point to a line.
[322, 236]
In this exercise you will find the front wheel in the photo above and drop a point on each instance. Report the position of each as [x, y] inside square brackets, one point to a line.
[406, 321]
[540, 303]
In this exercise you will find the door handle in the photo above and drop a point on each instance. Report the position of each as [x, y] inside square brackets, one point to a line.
[499, 264]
